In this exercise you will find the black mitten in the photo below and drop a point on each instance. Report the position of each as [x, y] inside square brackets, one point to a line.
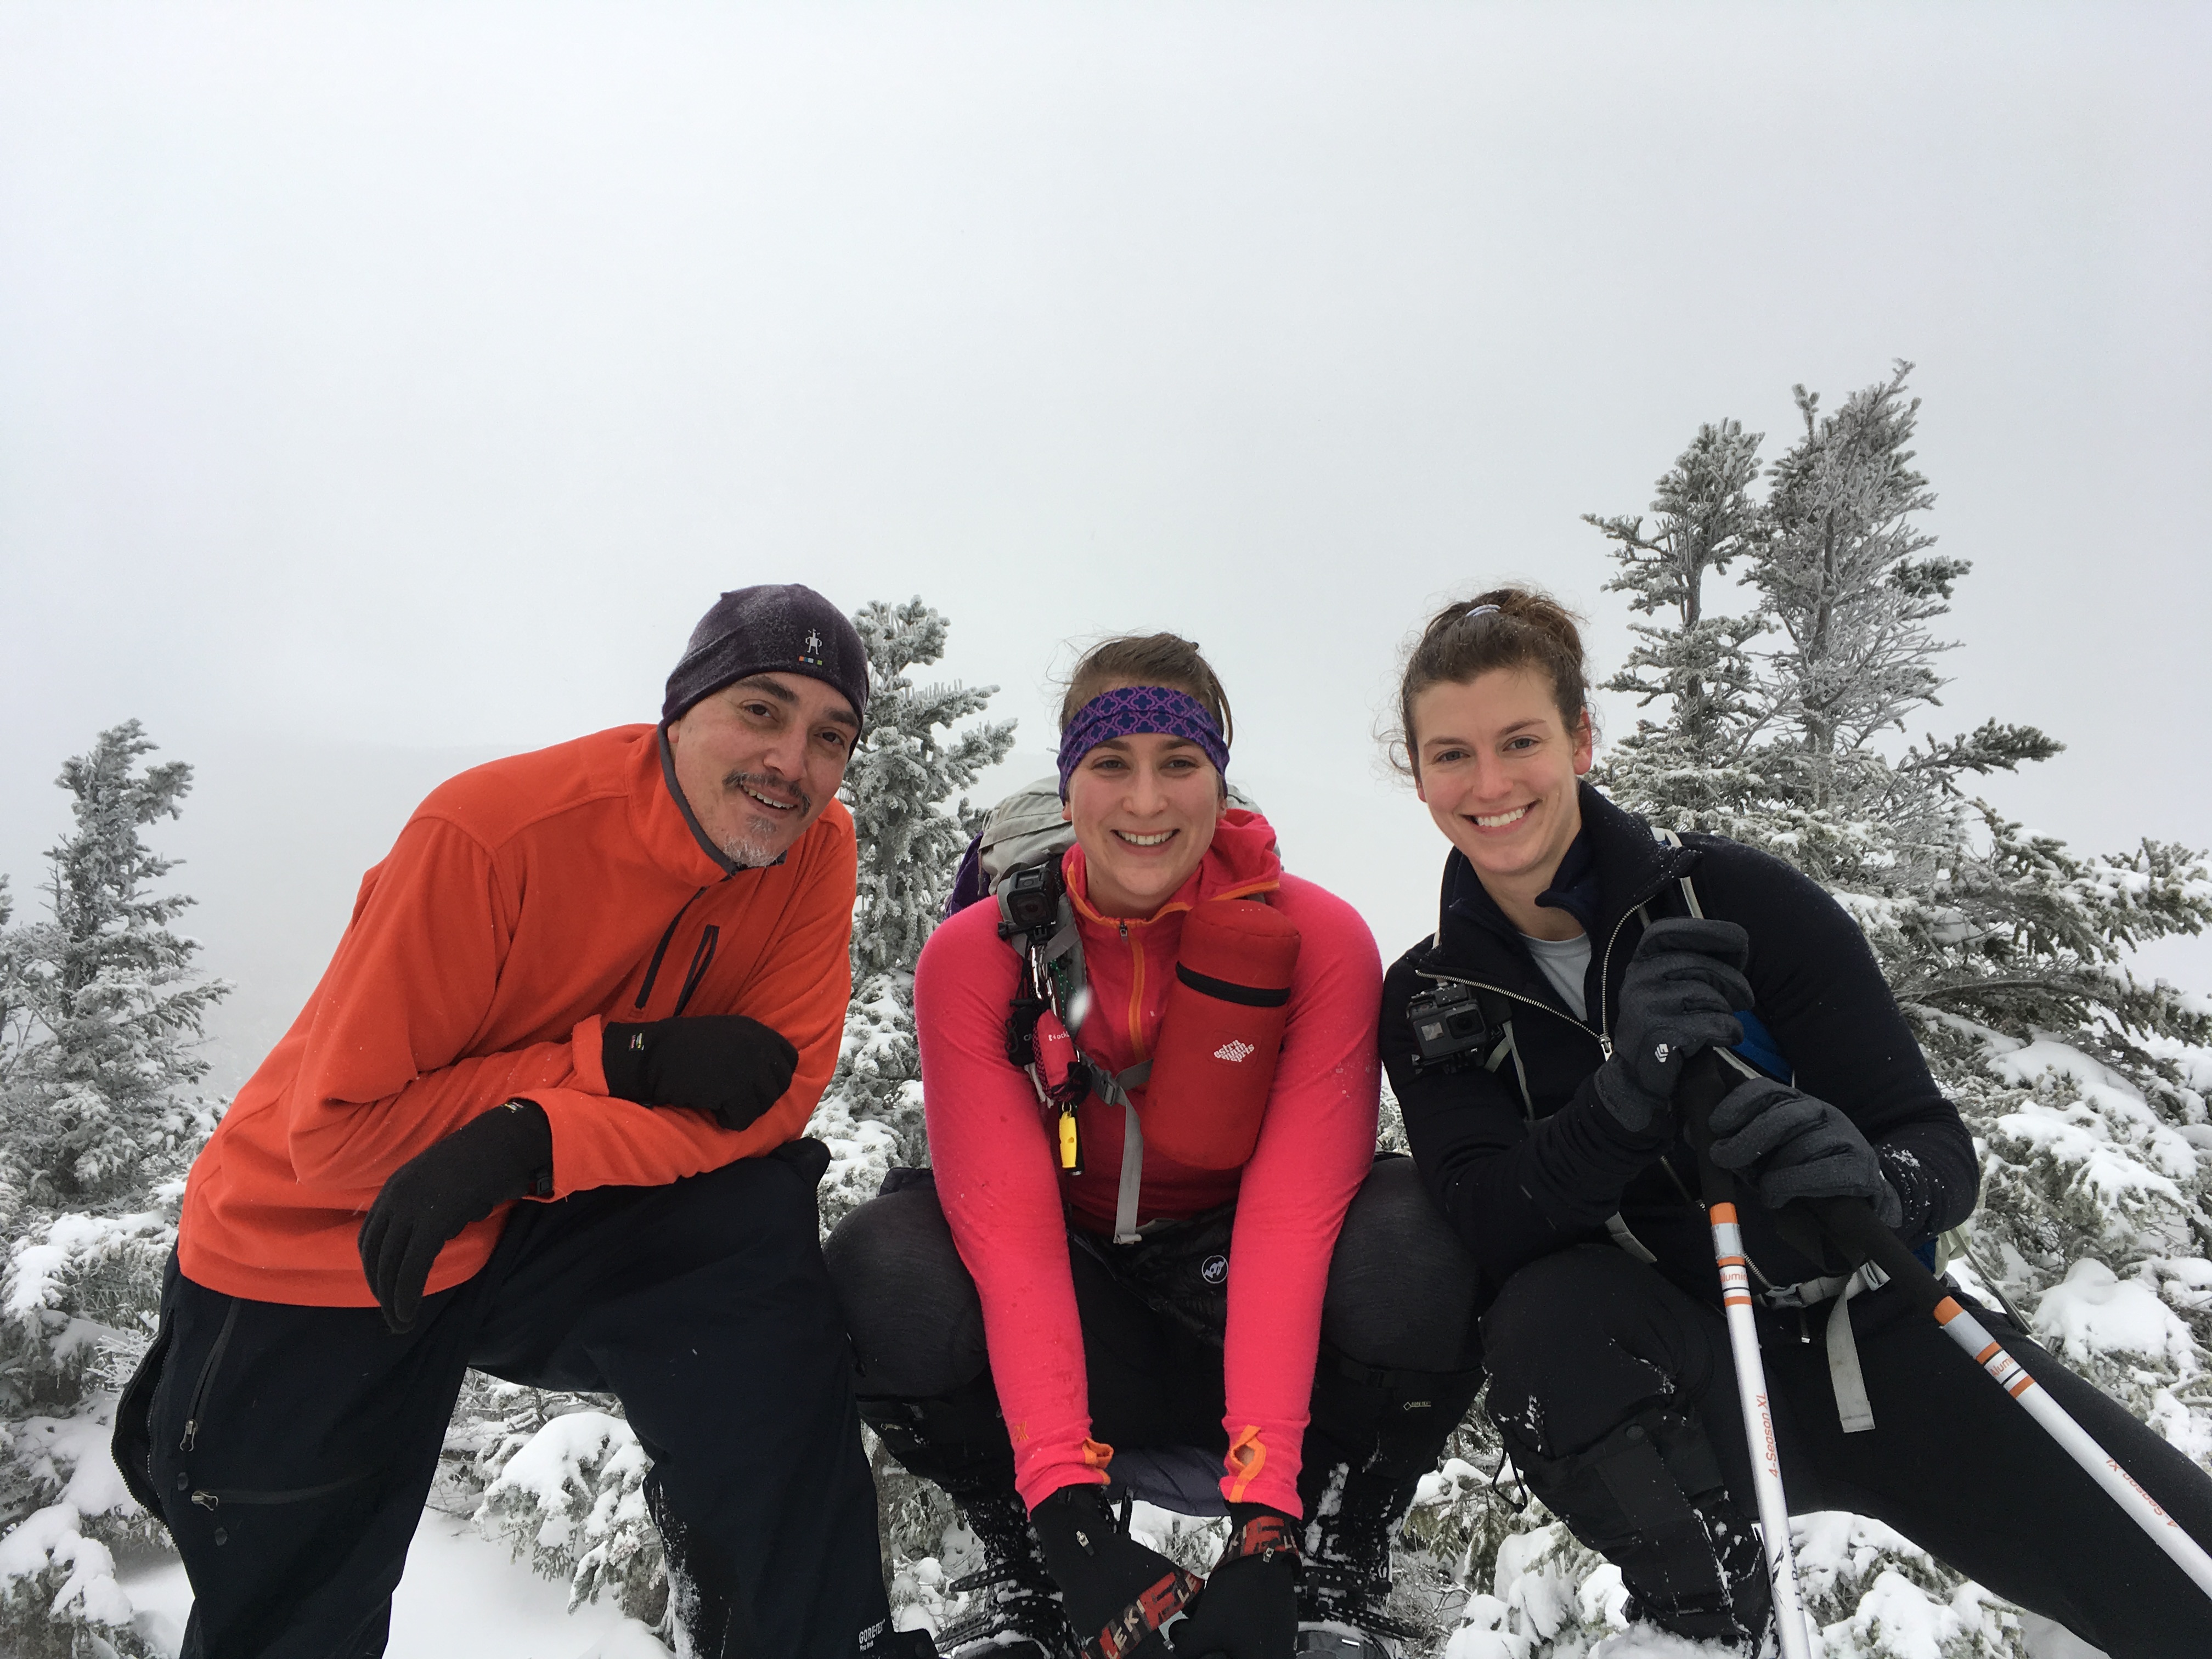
[1679, 998]
[1108, 1581]
[726, 1064]
[1249, 1606]
[505, 1154]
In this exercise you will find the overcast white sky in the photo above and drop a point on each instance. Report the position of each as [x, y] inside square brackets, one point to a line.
[384, 387]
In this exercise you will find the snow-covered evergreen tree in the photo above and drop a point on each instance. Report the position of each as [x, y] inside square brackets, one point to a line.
[900, 784]
[1844, 586]
[110, 1008]
[1689, 769]
[100, 1014]
[18, 1031]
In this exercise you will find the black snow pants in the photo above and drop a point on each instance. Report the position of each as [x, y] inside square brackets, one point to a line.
[1398, 1366]
[291, 1448]
[1595, 1356]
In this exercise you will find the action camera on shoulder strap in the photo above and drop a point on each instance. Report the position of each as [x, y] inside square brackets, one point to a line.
[1451, 1030]
[1029, 902]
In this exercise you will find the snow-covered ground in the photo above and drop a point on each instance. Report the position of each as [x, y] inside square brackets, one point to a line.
[461, 1596]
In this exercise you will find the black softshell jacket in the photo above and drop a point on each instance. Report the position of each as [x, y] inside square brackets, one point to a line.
[1518, 1187]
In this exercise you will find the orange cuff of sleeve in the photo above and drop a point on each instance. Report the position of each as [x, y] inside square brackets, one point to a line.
[586, 1053]
[1097, 1453]
[1248, 1456]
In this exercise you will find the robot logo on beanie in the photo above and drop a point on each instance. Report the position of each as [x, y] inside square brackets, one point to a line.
[780, 628]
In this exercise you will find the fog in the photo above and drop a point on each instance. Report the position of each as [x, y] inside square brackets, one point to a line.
[383, 387]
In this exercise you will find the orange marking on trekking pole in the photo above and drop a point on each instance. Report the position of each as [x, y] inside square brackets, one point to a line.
[1724, 1215]
[1947, 1310]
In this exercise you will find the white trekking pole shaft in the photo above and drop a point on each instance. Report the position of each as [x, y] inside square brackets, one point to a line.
[1855, 1225]
[1704, 1082]
[1758, 1415]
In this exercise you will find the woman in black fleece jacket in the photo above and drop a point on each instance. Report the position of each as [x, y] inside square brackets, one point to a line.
[1549, 1140]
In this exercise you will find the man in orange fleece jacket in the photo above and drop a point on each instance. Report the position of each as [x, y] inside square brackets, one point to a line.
[607, 980]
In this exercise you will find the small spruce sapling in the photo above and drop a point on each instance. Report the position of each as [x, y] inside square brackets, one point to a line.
[900, 785]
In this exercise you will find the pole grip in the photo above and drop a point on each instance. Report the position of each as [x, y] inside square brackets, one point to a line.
[1853, 1225]
[1706, 1082]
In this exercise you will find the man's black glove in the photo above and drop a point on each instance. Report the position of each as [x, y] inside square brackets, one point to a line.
[733, 1067]
[1790, 1145]
[506, 1153]
[1107, 1579]
[1249, 1606]
[1679, 998]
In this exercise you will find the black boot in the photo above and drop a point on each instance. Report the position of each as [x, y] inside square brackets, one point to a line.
[1374, 1434]
[960, 1442]
[1650, 1499]
[1738, 1612]
[1017, 1613]
[1344, 1578]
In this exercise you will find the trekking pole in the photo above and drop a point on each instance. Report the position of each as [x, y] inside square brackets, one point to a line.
[1853, 1223]
[1719, 1189]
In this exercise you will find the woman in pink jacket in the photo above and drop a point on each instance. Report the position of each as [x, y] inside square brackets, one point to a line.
[1058, 1313]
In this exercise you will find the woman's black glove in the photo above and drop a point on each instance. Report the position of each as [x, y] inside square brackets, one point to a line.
[505, 1154]
[1108, 1581]
[1679, 998]
[1249, 1607]
[725, 1064]
[1790, 1145]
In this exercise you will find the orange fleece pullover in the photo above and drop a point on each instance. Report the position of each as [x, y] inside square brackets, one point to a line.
[525, 903]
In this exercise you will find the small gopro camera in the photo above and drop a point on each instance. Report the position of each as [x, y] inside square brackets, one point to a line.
[1449, 1032]
[1031, 901]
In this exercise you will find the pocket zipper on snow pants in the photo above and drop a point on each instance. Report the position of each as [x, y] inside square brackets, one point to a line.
[192, 1437]
[212, 1500]
[215, 1500]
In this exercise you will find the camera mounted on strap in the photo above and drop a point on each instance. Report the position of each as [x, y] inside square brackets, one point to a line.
[1029, 904]
[1453, 1029]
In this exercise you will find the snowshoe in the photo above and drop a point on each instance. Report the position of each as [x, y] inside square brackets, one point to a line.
[1340, 1615]
[1017, 1613]
[1339, 1641]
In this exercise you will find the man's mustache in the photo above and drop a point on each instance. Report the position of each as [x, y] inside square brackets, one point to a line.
[773, 787]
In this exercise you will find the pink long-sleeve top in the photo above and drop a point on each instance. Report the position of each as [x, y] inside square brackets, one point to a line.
[1009, 1204]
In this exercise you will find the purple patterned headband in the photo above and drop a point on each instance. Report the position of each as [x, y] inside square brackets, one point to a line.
[1134, 708]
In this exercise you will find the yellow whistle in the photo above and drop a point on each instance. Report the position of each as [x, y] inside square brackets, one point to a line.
[1069, 1159]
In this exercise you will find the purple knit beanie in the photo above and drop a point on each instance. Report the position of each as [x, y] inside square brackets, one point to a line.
[781, 629]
